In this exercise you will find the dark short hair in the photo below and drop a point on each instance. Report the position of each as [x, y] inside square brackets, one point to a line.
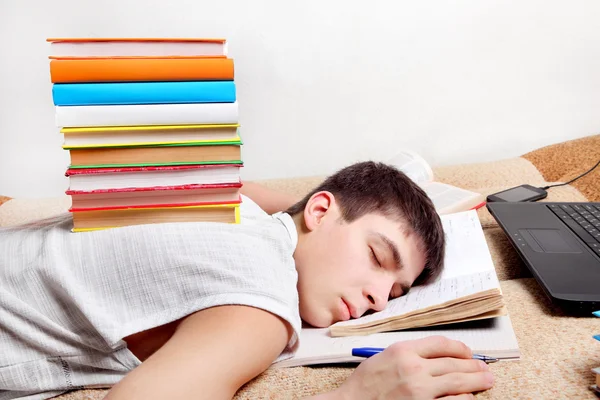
[374, 187]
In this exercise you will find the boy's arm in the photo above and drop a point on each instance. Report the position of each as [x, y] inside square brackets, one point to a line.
[270, 200]
[210, 356]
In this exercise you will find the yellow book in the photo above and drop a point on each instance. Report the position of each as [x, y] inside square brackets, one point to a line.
[127, 136]
[85, 221]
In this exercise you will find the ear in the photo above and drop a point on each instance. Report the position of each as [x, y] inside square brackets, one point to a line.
[318, 206]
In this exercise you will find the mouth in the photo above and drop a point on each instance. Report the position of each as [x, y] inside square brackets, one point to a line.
[345, 311]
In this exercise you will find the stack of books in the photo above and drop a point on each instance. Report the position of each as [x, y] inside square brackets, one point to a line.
[151, 126]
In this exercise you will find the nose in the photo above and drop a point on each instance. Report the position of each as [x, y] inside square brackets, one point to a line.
[377, 299]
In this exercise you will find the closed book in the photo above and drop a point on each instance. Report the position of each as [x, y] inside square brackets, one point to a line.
[148, 114]
[155, 155]
[141, 69]
[136, 47]
[117, 136]
[94, 179]
[90, 94]
[154, 196]
[114, 218]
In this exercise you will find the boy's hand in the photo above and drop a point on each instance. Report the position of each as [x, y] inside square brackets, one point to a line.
[430, 368]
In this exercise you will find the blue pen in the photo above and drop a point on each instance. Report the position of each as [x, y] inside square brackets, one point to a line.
[371, 351]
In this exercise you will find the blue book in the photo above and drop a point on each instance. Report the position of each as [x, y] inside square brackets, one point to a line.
[95, 94]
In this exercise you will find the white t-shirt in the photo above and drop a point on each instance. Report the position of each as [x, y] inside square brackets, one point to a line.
[68, 299]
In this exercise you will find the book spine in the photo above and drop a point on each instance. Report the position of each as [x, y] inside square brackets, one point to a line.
[175, 143]
[151, 114]
[155, 164]
[93, 171]
[155, 206]
[157, 188]
[141, 69]
[78, 48]
[86, 94]
[158, 207]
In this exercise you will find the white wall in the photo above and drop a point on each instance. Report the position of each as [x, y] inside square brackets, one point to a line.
[324, 83]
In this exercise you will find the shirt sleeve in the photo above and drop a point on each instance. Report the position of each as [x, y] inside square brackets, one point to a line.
[250, 211]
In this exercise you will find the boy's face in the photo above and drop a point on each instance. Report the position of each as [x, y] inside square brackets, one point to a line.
[346, 269]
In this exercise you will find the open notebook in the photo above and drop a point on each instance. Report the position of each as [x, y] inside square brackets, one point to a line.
[467, 290]
[492, 337]
[446, 198]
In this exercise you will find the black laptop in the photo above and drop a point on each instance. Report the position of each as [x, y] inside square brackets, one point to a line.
[560, 244]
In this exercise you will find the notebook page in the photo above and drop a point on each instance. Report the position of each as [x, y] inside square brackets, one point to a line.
[468, 270]
[467, 251]
[493, 337]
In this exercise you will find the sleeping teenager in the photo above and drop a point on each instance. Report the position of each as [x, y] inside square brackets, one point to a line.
[196, 310]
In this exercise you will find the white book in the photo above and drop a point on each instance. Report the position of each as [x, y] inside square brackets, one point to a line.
[136, 47]
[123, 178]
[147, 114]
[156, 197]
[446, 198]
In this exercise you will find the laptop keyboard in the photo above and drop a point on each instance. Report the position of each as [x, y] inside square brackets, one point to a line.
[583, 220]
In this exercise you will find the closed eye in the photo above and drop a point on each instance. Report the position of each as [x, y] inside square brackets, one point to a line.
[393, 294]
[404, 289]
[374, 257]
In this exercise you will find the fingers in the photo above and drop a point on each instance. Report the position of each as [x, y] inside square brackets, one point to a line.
[465, 396]
[446, 365]
[440, 346]
[459, 382]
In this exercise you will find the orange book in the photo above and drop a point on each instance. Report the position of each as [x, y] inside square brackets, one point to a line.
[141, 69]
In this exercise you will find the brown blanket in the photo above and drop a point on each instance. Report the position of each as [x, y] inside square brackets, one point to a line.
[557, 350]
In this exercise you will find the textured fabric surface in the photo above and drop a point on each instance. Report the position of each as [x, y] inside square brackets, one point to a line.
[564, 161]
[19, 211]
[63, 293]
[557, 350]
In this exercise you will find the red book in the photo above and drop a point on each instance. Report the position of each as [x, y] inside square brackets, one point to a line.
[152, 197]
[93, 179]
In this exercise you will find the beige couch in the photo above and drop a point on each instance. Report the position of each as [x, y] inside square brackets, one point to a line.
[557, 350]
